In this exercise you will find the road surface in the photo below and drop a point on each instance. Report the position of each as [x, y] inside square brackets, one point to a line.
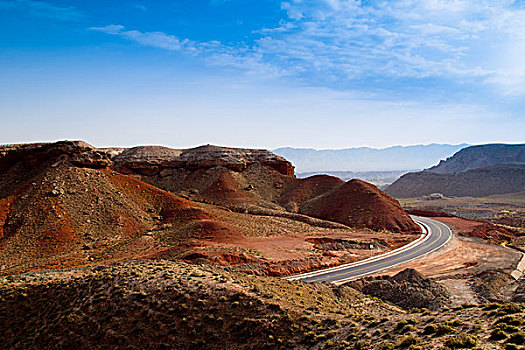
[435, 235]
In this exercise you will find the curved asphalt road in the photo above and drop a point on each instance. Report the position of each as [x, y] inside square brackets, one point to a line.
[435, 236]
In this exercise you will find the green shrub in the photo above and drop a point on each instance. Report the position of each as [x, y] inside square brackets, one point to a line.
[507, 328]
[461, 341]
[498, 334]
[362, 345]
[401, 324]
[430, 329]
[407, 328]
[511, 320]
[443, 329]
[455, 323]
[491, 306]
[517, 338]
[509, 308]
[408, 341]
[386, 346]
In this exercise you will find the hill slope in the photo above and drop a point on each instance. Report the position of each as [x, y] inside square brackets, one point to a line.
[474, 171]
[57, 209]
[61, 205]
[483, 156]
[360, 204]
[246, 179]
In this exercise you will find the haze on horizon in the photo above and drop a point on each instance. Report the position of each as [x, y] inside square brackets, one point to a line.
[325, 74]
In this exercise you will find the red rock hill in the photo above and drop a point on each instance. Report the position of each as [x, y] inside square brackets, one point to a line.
[360, 204]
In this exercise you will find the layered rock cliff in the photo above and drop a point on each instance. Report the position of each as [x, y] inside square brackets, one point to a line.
[474, 171]
[483, 156]
[152, 160]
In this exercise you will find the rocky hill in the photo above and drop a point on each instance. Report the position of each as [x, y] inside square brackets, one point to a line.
[474, 171]
[217, 175]
[64, 204]
[483, 156]
[60, 205]
[244, 179]
[169, 305]
[408, 289]
[360, 204]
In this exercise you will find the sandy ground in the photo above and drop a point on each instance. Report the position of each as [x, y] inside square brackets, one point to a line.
[296, 247]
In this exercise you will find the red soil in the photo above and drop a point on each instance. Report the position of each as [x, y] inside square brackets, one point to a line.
[228, 189]
[479, 229]
[360, 204]
[305, 189]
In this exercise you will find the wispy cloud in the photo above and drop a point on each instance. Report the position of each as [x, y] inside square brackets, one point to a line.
[331, 42]
[41, 9]
[155, 39]
[213, 52]
[140, 7]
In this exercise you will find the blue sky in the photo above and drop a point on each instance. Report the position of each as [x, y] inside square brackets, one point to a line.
[263, 73]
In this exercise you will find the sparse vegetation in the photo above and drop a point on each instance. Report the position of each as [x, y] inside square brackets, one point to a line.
[461, 341]
[517, 338]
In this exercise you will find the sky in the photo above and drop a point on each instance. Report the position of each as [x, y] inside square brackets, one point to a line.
[263, 73]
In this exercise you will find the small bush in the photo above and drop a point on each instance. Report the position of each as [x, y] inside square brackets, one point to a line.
[511, 347]
[386, 346]
[511, 320]
[455, 323]
[406, 328]
[401, 324]
[430, 329]
[510, 308]
[507, 328]
[408, 341]
[491, 306]
[362, 345]
[443, 329]
[517, 338]
[498, 334]
[462, 341]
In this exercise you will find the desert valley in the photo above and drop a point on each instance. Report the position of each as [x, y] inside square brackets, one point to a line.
[153, 247]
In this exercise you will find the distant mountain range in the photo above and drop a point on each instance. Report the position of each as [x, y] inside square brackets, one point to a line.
[365, 159]
[473, 171]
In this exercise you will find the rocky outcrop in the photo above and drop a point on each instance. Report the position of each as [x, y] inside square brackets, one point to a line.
[408, 289]
[152, 160]
[78, 153]
[360, 204]
[499, 179]
[475, 171]
[483, 156]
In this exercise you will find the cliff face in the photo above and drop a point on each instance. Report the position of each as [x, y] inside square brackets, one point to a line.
[60, 206]
[223, 176]
[77, 153]
[474, 171]
[152, 160]
[473, 183]
[483, 156]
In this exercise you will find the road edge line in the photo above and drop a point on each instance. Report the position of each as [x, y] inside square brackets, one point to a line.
[422, 238]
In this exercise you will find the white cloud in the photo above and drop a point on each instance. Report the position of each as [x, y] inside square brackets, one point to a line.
[452, 39]
[155, 39]
[335, 41]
